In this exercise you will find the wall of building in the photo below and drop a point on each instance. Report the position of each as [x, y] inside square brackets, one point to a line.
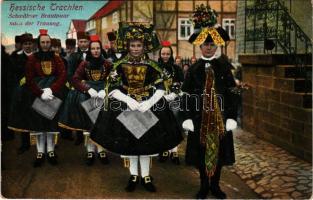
[167, 10]
[71, 33]
[276, 107]
[165, 15]
[109, 26]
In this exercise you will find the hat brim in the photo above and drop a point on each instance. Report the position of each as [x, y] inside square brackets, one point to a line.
[220, 30]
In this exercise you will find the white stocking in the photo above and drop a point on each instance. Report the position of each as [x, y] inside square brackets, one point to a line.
[144, 165]
[50, 142]
[41, 140]
[90, 147]
[133, 165]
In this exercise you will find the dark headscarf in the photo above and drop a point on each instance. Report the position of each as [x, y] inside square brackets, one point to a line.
[95, 63]
[168, 65]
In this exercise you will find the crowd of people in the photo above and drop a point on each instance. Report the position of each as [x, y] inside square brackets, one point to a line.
[117, 99]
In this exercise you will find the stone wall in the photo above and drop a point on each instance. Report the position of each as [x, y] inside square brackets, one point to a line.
[276, 107]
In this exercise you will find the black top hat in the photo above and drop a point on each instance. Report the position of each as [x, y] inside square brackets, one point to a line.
[70, 42]
[26, 37]
[55, 42]
[111, 36]
[82, 35]
[17, 39]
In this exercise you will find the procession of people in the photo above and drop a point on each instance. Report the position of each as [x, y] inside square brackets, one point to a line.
[124, 102]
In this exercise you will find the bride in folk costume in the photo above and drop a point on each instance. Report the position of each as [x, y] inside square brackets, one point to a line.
[210, 146]
[135, 98]
[89, 83]
[45, 80]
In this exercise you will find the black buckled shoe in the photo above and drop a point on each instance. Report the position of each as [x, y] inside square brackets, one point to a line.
[217, 192]
[103, 158]
[202, 194]
[175, 158]
[90, 158]
[164, 156]
[132, 183]
[40, 158]
[204, 189]
[52, 158]
[147, 184]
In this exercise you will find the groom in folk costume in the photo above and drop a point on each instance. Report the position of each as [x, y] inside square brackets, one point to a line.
[210, 104]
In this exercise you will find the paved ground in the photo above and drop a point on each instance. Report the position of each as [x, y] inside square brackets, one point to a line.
[269, 170]
[262, 170]
[72, 179]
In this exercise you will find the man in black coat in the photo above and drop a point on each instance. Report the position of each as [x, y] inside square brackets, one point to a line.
[112, 54]
[18, 46]
[19, 67]
[7, 86]
[73, 62]
[194, 85]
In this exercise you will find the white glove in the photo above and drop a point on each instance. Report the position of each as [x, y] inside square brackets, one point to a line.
[47, 90]
[131, 103]
[188, 125]
[170, 97]
[231, 124]
[101, 94]
[93, 93]
[146, 105]
[46, 96]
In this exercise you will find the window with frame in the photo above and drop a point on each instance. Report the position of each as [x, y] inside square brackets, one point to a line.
[229, 26]
[91, 25]
[185, 28]
[115, 18]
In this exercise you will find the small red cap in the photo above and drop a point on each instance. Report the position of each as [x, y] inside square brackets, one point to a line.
[166, 43]
[43, 31]
[94, 38]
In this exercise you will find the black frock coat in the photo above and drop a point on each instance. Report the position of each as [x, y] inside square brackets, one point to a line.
[194, 86]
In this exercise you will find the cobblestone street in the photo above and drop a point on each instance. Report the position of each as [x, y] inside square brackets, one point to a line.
[269, 170]
[262, 170]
